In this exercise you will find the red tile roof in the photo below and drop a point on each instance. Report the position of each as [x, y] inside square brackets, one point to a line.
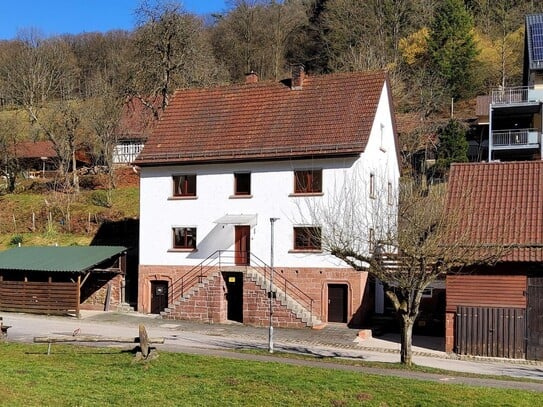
[35, 149]
[331, 114]
[137, 121]
[500, 203]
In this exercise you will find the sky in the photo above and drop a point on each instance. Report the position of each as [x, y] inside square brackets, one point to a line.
[56, 17]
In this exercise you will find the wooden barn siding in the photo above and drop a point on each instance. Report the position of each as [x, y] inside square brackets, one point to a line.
[39, 297]
[486, 291]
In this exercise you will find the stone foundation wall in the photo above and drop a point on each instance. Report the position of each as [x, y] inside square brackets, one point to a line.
[210, 305]
[94, 292]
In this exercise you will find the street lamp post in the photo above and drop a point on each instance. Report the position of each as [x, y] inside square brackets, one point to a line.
[270, 293]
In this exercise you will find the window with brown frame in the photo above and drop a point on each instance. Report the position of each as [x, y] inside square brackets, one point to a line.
[307, 238]
[372, 186]
[307, 181]
[184, 238]
[184, 185]
[242, 183]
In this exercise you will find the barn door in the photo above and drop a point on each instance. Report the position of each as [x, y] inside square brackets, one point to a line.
[493, 332]
[534, 319]
[243, 240]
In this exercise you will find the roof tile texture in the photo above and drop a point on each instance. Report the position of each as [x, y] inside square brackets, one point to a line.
[35, 149]
[267, 120]
[500, 203]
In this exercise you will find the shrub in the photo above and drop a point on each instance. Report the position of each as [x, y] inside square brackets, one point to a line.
[15, 240]
[101, 198]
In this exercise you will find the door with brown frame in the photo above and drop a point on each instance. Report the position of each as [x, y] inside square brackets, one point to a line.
[337, 303]
[243, 245]
[159, 296]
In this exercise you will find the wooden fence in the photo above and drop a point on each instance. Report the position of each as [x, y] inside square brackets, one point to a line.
[492, 332]
[58, 298]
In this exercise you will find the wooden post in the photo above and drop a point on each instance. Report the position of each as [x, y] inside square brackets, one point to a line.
[144, 341]
[77, 311]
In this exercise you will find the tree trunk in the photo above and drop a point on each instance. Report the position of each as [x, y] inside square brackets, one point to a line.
[11, 177]
[406, 351]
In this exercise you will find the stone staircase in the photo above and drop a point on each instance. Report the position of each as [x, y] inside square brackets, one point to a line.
[193, 290]
[261, 281]
[286, 300]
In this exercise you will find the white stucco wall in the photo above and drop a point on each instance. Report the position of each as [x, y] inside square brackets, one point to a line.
[271, 184]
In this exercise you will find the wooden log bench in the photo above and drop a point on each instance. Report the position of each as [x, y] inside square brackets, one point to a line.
[143, 340]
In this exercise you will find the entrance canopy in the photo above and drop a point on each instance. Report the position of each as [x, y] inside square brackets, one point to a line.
[240, 219]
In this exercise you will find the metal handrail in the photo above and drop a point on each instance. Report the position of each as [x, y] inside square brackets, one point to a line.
[285, 285]
[512, 95]
[222, 258]
[194, 275]
[511, 137]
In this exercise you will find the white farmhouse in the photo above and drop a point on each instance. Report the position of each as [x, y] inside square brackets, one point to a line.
[225, 176]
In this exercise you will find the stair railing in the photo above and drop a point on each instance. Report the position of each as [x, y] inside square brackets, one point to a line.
[225, 258]
[283, 283]
[195, 275]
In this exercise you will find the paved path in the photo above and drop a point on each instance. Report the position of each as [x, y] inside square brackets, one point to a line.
[332, 341]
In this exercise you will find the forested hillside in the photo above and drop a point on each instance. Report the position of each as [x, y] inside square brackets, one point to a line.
[71, 89]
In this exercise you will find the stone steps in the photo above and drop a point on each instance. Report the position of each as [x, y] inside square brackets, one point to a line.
[287, 301]
[189, 294]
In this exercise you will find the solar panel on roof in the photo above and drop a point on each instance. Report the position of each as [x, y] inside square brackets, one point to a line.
[536, 31]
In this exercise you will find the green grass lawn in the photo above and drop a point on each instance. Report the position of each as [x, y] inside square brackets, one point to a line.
[85, 376]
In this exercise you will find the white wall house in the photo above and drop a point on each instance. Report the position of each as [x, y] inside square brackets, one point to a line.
[223, 162]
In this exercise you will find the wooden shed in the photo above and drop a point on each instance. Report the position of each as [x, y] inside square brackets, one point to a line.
[496, 309]
[61, 280]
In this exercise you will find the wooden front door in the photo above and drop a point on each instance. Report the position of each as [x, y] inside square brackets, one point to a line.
[159, 296]
[337, 303]
[534, 319]
[243, 245]
[234, 295]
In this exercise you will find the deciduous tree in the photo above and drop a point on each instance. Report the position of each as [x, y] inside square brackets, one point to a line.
[170, 50]
[9, 139]
[404, 241]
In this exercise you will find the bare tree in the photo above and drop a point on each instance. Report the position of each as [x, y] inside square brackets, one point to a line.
[256, 34]
[170, 50]
[41, 77]
[103, 116]
[9, 139]
[402, 238]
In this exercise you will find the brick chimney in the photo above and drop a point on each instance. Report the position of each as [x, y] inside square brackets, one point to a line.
[298, 74]
[251, 77]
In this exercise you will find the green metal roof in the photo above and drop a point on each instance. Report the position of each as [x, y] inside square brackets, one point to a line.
[73, 259]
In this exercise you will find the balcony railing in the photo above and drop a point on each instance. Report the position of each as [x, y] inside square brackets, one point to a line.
[521, 138]
[516, 95]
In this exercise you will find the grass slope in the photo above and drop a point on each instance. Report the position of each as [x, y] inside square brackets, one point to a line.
[45, 217]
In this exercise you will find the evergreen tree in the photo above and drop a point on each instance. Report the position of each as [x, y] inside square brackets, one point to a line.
[452, 46]
[453, 146]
